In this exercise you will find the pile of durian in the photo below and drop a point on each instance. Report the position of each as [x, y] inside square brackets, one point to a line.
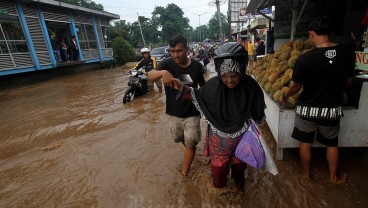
[274, 72]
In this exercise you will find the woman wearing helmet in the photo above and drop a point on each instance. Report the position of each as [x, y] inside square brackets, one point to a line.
[149, 63]
[226, 102]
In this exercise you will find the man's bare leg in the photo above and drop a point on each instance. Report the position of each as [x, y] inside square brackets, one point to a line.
[188, 159]
[332, 156]
[305, 157]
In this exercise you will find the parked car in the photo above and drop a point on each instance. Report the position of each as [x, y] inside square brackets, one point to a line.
[160, 53]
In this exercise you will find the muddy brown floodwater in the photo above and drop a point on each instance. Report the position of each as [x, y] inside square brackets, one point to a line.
[67, 140]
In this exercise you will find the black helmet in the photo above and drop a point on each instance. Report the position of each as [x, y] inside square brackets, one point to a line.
[230, 50]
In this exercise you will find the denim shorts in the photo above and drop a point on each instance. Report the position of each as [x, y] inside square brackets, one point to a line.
[186, 130]
[326, 132]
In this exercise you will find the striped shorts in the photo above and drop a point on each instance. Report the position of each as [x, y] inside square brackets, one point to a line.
[326, 132]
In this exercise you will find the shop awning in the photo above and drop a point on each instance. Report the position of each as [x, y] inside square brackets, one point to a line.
[255, 5]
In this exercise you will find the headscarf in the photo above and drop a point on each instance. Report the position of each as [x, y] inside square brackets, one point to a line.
[227, 110]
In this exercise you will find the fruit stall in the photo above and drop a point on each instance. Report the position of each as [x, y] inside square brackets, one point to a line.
[274, 71]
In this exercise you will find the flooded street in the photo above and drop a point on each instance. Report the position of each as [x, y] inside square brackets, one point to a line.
[68, 141]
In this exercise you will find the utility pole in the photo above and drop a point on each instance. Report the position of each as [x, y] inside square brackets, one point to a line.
[220, 21]
[140, 27]
[199, 24]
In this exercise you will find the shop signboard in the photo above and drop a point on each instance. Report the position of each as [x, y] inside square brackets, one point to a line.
[361, 60]
[263, 11]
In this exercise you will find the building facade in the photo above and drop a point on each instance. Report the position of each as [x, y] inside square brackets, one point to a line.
[26, 26]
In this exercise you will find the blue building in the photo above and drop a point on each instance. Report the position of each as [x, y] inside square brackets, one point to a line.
[26, 27]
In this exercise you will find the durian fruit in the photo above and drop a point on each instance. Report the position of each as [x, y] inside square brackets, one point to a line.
[279, 79]
[272, 93]
[295, 53]
[278, 95]
[277, 85]
[277, 54]
[263, 81]
[283, 65]
[291, 61]
[289, 71]
[268, 87]
[275, 62]
[307, 44]
[298, 44]
[289, 103]
[286, 78]
[289, 44]
[284, 56]
[272, 78]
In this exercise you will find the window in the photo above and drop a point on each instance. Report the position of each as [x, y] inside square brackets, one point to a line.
[86, 37]
[106, 37]
[12, 39]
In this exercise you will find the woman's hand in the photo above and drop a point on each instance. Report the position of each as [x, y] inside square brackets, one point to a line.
[176, 84]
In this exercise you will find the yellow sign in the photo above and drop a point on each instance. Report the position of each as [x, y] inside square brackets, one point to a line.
[361, 60]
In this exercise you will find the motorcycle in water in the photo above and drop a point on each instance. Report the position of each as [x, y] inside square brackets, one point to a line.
[137, 85]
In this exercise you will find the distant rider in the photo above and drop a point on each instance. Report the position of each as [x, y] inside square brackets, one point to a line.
[203, 56]
[149, 63]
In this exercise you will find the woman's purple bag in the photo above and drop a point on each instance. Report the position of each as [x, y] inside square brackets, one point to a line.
[249, 149]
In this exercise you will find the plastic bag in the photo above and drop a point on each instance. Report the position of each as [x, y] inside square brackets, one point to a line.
[249, 149]
[270, 164]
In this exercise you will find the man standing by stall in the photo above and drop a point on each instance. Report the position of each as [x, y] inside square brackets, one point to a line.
[324, 72]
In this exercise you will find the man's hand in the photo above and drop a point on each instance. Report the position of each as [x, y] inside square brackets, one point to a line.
[282, 100]
[166, 77]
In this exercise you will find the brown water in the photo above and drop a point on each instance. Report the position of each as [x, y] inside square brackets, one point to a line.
[68, 141]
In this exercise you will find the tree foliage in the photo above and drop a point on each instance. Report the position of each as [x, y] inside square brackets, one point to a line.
[123, 51]
[214, 26]
[171, 21]
[85, 3]
[157, 30]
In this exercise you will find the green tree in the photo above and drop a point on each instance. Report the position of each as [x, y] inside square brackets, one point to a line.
[123, 51]
[170, 21]
[149, 30]
[85, 3]
[214, 27]
[120, 29]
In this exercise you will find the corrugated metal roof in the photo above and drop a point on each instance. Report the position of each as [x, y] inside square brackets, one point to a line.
[73, 7]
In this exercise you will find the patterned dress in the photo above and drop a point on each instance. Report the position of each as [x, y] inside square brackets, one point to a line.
[221, 150]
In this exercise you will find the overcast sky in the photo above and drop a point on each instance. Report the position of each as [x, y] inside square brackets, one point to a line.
[194, 10]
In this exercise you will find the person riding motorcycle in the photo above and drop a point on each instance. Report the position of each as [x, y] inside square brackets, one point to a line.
[149, 63]
[203, 56]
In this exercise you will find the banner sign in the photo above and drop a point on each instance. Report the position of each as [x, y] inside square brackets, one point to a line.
[361, 60]
[264, 11]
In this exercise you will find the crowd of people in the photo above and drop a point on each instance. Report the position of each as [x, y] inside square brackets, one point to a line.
[64, 51]
[229, 100]
[254, 49]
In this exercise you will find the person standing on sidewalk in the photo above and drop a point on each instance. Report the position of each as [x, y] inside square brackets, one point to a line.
[323, 72]
[183, 116]
[251, 50]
